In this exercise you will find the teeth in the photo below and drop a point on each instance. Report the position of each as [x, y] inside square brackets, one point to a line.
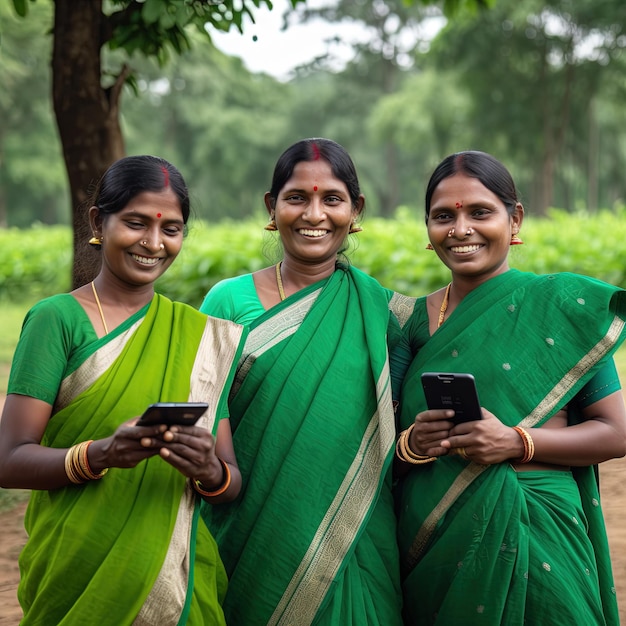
[145, 260]
[312, 233]
[472, 248]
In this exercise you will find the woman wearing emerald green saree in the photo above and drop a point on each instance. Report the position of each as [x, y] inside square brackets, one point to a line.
[311, 538]
[113, 519]
[500, 519]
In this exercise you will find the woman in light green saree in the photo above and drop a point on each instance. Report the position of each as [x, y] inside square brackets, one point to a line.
[113, 520]
[500, 519]
[311, 538]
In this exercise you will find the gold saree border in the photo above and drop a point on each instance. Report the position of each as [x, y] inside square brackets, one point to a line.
[542, 410]
[344, 518]
[402, 307]
[270, 333]
[92, 368]
[216, 352]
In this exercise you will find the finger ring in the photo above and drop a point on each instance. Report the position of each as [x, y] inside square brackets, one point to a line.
[461, 452]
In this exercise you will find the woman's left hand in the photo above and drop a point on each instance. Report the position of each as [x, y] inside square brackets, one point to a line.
[191, 450]
[486, 441]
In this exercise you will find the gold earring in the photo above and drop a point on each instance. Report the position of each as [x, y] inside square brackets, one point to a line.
[516, 240]
[429, 246]
[354, 229]
[271, 225]
[96, 242]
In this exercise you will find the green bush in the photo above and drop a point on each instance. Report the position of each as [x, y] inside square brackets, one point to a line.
[36, 262]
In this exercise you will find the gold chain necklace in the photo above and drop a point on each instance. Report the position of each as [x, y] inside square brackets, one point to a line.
[95, 295]
[279, 282]
[444, 306]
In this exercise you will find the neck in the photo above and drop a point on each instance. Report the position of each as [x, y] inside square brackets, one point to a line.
[297, 275]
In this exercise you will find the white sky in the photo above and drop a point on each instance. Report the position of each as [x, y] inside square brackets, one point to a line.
[277, 52]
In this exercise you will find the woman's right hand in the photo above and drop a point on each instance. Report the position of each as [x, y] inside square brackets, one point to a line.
[430, 429]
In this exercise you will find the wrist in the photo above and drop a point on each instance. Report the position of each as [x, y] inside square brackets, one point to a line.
[210, 490]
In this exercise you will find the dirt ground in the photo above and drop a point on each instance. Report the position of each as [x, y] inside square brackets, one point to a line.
[612, 482]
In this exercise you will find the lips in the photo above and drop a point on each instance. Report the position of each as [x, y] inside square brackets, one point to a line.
[145, 260]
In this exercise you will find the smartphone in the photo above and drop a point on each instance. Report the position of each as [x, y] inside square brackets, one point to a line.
[452, 391]
[170, 413]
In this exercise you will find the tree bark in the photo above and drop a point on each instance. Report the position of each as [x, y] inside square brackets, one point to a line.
[87, 116]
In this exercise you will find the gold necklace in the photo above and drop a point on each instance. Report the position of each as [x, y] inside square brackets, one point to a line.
[279, 282]
[444, 306]
[95, 295]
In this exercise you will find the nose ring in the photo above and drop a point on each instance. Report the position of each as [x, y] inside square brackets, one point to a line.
[470, 231]
[451, 232]
[144, 243]
[162, 246]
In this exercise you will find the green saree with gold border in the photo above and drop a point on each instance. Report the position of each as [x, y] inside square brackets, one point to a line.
[311, 538]
[128, 549]
[485, 544]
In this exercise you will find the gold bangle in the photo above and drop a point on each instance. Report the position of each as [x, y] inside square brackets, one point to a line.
[77, 466]
[197, 485]
[404, 452]
[529, 444]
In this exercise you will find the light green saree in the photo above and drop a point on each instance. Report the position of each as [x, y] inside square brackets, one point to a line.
[311, 538]
[487, 545]
[128, 549]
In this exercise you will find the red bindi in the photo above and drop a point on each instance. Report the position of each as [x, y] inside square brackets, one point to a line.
[459, 205]
[315, 188]
[159, 215]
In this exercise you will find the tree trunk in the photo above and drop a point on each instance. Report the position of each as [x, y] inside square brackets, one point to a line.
[83, 108]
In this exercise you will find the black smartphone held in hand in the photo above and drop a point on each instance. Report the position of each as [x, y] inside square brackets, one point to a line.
[452, 391]
[170, 413]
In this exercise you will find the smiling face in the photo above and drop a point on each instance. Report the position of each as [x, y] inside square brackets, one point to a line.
[142, 240]
[313, 213]
[470, 228]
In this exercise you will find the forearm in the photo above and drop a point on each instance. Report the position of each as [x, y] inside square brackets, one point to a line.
[32, 466]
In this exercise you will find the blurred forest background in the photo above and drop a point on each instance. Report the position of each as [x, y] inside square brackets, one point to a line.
[537, 83]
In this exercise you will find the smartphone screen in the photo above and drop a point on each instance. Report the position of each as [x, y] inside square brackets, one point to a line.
[170, 413]
[452, 391]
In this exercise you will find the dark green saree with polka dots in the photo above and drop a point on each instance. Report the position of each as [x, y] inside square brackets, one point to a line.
[486, 544]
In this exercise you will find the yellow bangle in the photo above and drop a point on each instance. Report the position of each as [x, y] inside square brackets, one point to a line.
[404, 452]
[197, 485]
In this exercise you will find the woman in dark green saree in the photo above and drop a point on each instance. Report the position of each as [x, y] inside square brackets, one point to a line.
[499, 518]
[115, 535]
[311, 539]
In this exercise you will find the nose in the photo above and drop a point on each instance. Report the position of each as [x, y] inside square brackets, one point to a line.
[461, 229]
[314, 212]
[153, 242]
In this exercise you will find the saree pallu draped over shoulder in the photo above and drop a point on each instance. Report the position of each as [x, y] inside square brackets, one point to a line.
[128, 549]
[311, 538]
[484, 544]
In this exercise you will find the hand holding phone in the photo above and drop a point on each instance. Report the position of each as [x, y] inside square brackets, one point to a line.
[452, 391]
[170, 413]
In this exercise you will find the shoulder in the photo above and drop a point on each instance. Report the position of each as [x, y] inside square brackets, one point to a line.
[233, 299]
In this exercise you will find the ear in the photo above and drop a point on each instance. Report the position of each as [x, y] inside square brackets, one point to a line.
[517, 217]
[270, 204]
[358, 208]
[95, 220]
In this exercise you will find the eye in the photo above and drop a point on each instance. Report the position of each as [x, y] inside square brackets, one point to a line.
[481, 212]
[135, 224]
[440, 216]
[294, 197]
[333, 200]
[172, 231]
